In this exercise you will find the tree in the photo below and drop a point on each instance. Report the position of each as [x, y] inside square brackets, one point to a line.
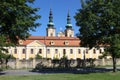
[99, 22]
[17, 18]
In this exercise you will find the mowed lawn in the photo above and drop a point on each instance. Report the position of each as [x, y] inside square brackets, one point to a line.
[65, 76]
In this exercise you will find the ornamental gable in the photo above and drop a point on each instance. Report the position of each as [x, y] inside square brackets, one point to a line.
[36, 43]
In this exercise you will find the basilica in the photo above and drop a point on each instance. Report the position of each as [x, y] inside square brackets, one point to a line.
[54, 46]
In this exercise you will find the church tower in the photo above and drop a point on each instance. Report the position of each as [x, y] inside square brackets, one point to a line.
[69, 32]
[50, 29]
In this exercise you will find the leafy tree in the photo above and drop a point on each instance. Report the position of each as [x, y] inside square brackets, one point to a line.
[99, 22]
[17, 18]
[38, 56]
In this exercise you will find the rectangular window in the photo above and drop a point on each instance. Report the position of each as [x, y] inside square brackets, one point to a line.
[64, 51]
[56, 50]
[79, 51]
[40, 51]
[100, 51]
[32, 51]
[48, 51]
[94, 51]
[71, 51]
[23, 51]
[86, 51]
[15, 51]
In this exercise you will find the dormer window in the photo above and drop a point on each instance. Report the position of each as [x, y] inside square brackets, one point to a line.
[66, 43]
[20, 42]
[52, 43]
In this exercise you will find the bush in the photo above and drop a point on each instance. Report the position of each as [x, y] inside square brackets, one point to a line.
[38, 56]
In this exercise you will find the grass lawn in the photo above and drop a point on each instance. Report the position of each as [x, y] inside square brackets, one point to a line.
[65, 76]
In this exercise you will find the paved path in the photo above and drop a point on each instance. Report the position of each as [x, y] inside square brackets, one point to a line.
[18, 72]
[28, 72]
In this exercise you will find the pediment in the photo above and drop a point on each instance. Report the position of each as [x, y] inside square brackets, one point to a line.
[36, 43]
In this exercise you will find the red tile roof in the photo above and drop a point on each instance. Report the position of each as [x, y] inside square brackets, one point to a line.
[58, 41]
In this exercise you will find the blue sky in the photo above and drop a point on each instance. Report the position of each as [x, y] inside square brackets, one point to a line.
[60, 10]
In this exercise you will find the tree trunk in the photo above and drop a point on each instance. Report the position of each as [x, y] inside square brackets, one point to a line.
[114, 64]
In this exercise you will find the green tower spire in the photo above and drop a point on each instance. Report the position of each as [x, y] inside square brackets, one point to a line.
[50, 19]
[69, 25]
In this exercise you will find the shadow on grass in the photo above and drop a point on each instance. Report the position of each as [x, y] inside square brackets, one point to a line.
[2, 73]
[72, 70]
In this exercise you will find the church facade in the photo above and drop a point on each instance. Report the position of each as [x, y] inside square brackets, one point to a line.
[54, 46]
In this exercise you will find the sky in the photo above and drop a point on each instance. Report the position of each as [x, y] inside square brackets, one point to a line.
[60, 10]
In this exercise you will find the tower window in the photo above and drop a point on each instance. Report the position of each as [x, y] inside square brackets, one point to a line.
[51, 34]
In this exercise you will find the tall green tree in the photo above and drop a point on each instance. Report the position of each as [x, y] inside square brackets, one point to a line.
[17, 18]
[99, 22]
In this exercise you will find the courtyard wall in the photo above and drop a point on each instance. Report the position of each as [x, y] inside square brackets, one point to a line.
[26, 64]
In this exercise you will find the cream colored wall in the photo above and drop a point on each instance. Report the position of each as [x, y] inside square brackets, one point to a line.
[75, 53]
[79, 55]
[28, 54]
[52, 53]
[19, 53]
[35, 45]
